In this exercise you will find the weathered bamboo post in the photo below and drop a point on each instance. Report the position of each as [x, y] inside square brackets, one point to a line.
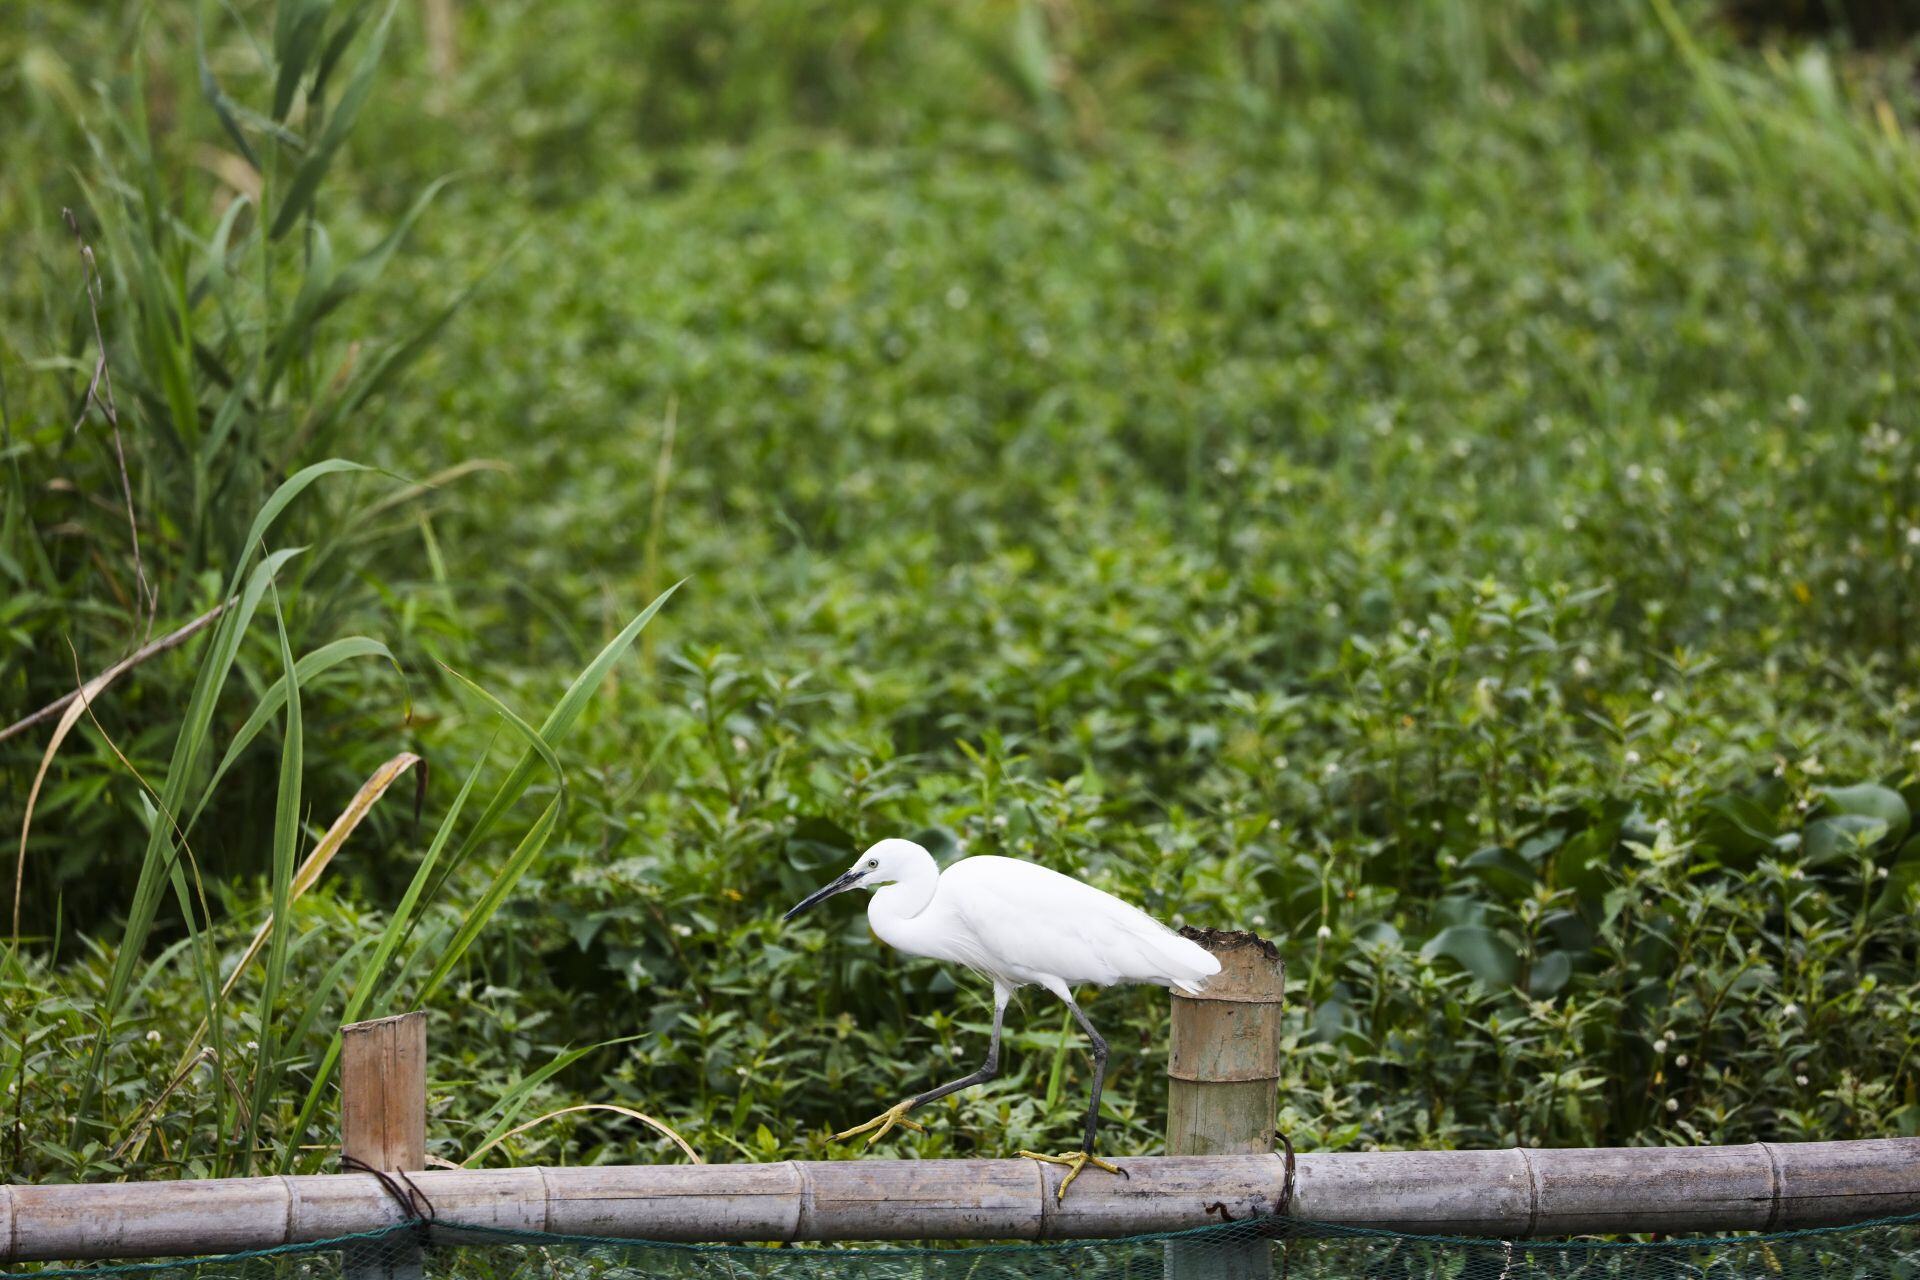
[383, 1117]
[1223, 1082]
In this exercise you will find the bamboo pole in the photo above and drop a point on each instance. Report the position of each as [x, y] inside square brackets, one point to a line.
[383, 1117]
[1511, 1193]
[1223, 1082]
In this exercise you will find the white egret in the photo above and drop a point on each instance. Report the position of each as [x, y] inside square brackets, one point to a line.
[1020, 925]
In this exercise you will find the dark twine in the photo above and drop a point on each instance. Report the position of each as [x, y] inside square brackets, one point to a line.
[1283, 1211]
[412, 1200]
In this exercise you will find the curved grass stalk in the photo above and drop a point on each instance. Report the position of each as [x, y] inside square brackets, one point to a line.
[629, 1112]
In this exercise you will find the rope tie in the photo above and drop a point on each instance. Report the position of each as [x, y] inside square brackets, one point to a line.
[1283, 1209]
[404, 1192]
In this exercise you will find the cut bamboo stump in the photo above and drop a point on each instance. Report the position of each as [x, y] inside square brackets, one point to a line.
[383, 1117]
[1223, 1083]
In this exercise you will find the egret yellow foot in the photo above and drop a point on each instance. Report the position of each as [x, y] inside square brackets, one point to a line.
[1075, 1161]
[893, 1115]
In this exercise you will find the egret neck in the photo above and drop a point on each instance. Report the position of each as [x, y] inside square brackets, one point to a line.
[893, 907]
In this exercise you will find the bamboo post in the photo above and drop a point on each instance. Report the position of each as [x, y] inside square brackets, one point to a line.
[1223, 1082]
[383, 1116]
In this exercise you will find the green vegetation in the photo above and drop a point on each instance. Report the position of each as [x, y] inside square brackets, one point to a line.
[1434, 482]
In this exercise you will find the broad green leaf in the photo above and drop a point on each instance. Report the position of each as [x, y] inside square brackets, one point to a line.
[1901, 877]
[1830, 840]
[1479, 950]
[1549, 974]
[1870, 801]
[1502, 871]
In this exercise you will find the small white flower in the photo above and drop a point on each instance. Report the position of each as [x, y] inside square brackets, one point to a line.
[253, 1046]
[1581, 667]
[1840, 588]
[1680, 1060]
[1797, 403]
[683, 930]
[1673, 1104]
[1789, 1009]
[1801, 1081]
[1659, 695]
[153, 1037]
[999, 819]
[1660, 1045]
[1323, 933]
[1633, 757]
[1796, 874]
[1881, 874]
[1913, 536]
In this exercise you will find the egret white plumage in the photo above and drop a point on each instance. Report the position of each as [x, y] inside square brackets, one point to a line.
[1020, 925]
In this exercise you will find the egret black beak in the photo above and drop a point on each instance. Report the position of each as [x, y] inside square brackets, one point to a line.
[841, 885]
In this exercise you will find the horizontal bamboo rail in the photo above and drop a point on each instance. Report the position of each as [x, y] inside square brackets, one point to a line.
[1514, 1193]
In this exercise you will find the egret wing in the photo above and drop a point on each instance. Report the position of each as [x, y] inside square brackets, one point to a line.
[1026, 922]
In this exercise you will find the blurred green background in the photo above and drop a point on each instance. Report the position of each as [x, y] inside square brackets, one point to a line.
[1432, 481]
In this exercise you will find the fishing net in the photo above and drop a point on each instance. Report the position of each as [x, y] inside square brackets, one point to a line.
[1265, 1249]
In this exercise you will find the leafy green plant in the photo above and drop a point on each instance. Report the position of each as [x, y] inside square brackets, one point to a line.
[1430, 482]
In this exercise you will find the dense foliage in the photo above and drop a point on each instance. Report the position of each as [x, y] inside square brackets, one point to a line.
[1435, 483]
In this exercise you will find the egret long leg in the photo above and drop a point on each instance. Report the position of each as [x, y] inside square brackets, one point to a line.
[1076, 1161]
[897, 1113]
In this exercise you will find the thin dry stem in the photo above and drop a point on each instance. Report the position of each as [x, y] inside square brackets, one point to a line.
[587, 1106]
[100, 395]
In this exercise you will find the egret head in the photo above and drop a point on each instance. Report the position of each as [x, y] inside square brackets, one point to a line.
[884, 863]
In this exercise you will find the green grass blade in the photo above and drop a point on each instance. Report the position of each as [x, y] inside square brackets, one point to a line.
[389, 940]
[292, 487]
[559, 722]
[286, 848]
[297, 28]
[159, 862]
[535, 740]
[327, 656]
[300, 191]
[482, 911]
[316, 998]
[514, 1100]
[223, 108]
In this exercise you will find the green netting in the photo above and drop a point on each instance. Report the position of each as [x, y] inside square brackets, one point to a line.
[1256, 1250]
